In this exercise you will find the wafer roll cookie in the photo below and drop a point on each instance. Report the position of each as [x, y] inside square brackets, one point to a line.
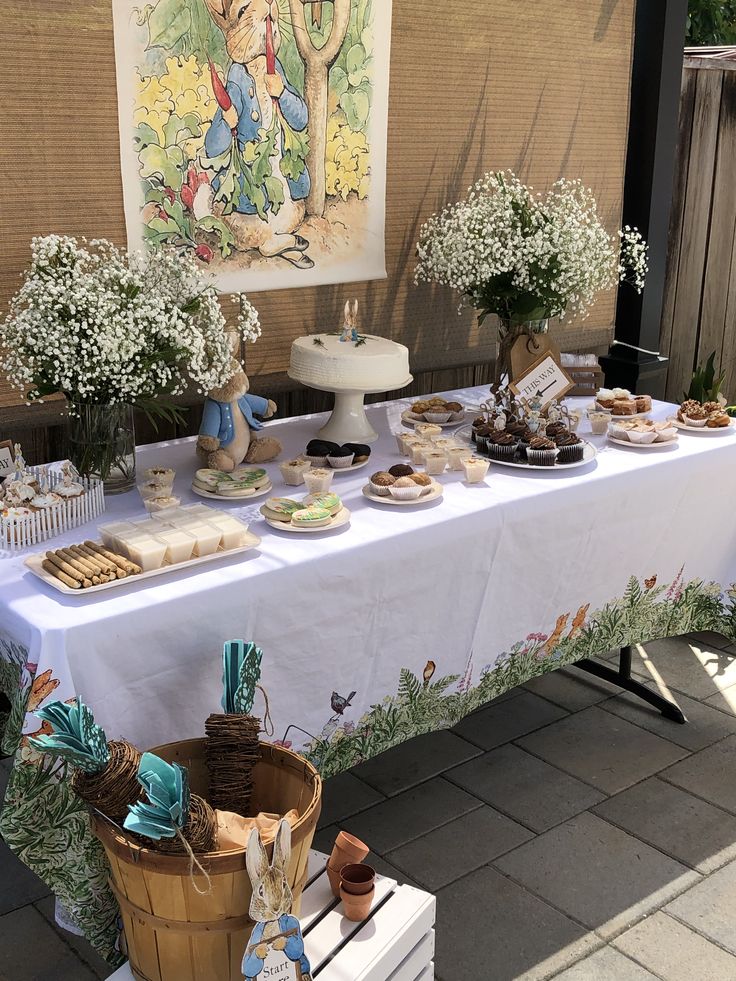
[95, 570]
[130, 567]
[65, 567]
[79, 565]
[108, 567]
[56, 572]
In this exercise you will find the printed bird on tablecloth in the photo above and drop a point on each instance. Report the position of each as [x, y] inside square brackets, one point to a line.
[429, 669]
[339, 704]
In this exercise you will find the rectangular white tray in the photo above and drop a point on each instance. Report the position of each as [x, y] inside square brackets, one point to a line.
[34, 563]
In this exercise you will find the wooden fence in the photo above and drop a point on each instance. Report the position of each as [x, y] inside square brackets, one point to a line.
[699, 314]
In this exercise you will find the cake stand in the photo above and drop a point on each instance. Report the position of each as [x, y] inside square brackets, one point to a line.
[348, 422]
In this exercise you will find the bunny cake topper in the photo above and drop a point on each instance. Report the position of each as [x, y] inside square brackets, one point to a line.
[276, 945]
[349, 330]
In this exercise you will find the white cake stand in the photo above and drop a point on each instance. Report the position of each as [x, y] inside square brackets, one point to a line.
[348, 422]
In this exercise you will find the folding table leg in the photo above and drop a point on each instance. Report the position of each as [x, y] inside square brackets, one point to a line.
[624, 680]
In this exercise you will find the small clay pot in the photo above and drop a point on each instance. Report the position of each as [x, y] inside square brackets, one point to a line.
[334, 876]
[348, 850]
[357, 879]
[356, 908]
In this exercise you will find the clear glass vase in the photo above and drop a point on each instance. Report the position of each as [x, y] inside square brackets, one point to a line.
[102, 444]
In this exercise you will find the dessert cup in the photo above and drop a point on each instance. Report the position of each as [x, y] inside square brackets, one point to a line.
[293, 471]
[435, 462]
[356, 908]
[475, 469]
[318, 480]
[161, 504]
[457, 455]
[357, 880]
[160, 476]
[417, 451]
[599, 420]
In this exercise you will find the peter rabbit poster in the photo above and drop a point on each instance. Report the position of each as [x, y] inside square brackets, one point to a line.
[253, 135]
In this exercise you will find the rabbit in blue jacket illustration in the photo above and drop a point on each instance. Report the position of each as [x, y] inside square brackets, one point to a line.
[276, 930]
[256, 95]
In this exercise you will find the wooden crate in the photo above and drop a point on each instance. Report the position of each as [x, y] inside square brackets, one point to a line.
[588, 379]
[395, 943]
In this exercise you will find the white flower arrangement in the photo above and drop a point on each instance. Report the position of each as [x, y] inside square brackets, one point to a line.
[527, 256]
[106, 327]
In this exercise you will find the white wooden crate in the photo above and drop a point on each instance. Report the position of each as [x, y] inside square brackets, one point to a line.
[395, 943]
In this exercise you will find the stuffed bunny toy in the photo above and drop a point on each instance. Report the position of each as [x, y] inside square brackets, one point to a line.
[277, 936]
[256, 95]
[228, 421]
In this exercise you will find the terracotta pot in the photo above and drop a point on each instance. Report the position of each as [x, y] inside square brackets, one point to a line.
[334, 876]
[356, 908]
[347, 850]
[357, 879]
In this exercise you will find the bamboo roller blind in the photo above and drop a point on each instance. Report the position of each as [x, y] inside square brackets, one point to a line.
[541, 87]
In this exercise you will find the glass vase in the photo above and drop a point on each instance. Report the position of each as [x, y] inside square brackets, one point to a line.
[102, 444]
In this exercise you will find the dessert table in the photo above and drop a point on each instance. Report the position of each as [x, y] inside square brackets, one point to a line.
[397, 624]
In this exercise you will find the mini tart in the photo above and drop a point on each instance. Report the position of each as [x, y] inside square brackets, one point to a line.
[312, 517]
[328, 502]
[281, 508]
[361, 451]
[340, 458]
[69, 490]
[42, 502]
[401, 470]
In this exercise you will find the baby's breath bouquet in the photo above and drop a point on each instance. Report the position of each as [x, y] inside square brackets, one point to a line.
[113, 331]
[526, 256]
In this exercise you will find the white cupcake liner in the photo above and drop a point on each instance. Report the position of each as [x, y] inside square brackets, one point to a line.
[697, 423]
[341, 462]
[438, 417]
[381, 491]
[316, 461]
[406, 493]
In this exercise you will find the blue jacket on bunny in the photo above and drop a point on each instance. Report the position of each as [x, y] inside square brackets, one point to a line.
[217, 417]
[241, 88]
[253, 965]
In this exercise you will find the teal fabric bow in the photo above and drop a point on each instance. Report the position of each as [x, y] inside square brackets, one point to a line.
[241, 671]
[167, 808]
[76, 737]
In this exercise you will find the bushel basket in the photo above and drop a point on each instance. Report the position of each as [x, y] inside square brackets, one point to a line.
[172, 932]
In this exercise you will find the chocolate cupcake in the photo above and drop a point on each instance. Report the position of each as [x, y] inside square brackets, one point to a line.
[401, 470]
[502, 446]
[340, 458]
[361, 451]
[476, 424]
[570, 446]
[483, 435]
[556, 429]
[541, 451]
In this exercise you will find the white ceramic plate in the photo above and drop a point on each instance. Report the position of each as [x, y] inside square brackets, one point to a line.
[34, 563]
[233, 497]
[701, 429]
[589, 454]
[341, 518]
[443, 425]
[436, 490]
[642, 446]
[353, 466]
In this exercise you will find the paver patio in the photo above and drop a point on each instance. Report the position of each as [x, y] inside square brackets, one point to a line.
[567, 830]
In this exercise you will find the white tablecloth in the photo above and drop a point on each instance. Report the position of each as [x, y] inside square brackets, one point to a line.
[424, 612]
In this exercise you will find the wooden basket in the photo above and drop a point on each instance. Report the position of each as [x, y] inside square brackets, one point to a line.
[173, 933]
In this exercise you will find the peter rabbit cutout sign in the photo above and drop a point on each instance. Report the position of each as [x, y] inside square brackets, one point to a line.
[276, 946]
[253, 135]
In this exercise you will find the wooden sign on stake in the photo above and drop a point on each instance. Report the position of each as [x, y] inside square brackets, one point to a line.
[546, 378]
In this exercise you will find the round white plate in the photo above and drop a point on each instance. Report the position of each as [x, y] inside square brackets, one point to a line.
[641, 446]
[701, 429]
[589, 454]
[341, 518]
[436, 490]
[443, 425]
[232, 497]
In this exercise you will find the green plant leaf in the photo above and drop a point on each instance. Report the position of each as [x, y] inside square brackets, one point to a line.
[166, 164]
[356, 62]
[212, 224]
[356, 105]
[177, 129]
[169, 21]
[338, 80]
[143, 135]
[275, 191]
[295, 147]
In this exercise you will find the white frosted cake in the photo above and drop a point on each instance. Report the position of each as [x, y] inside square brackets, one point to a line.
[325, 362]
